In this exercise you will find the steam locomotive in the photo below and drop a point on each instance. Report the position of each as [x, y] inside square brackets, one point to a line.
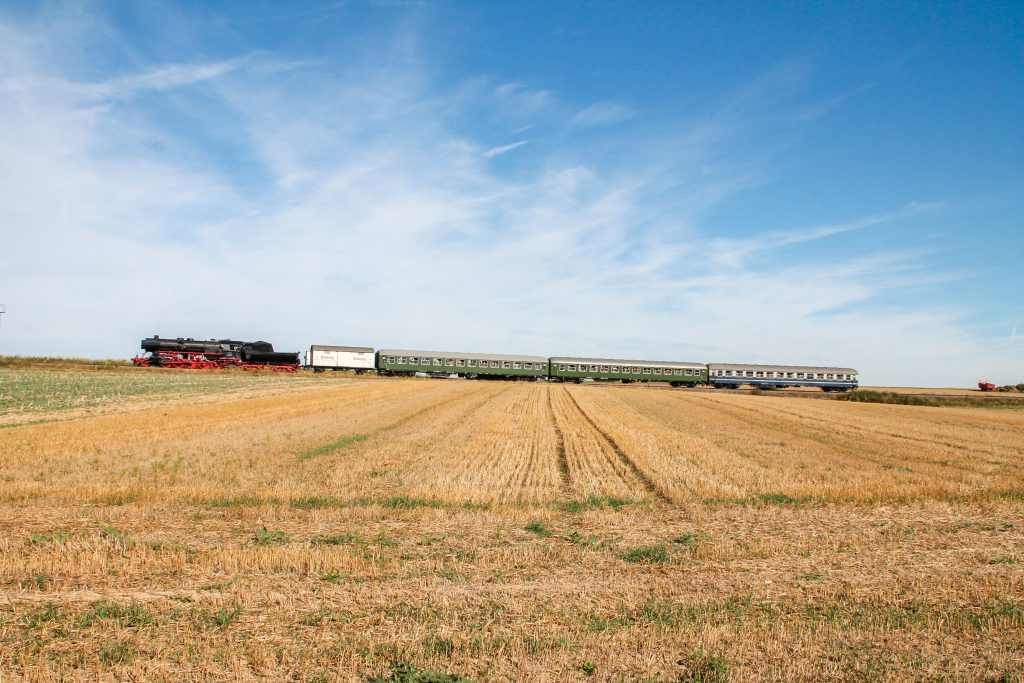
[193, 354]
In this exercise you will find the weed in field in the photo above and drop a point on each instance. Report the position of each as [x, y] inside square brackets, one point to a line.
[237, 502]
[265, 537]
[315, 503]
[407, 673]
[37, 581]
[779, 499]
[42, 615]
[439, 646]
[55, 537]
[704, 668]
[593, 502]
[118, 537]
[222, 618]
[646, 554]
[589, 541]
[332, 577]
[337, 539]
[537, 527]
[688, 539]
[588, 668]
[128, 615]
[117, 653]
[407, 503]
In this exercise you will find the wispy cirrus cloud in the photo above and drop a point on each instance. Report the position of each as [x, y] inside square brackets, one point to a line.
[504, 149]
[601, 113]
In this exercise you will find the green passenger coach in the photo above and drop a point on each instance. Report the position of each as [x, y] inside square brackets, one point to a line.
[674, 373]
[409, 362]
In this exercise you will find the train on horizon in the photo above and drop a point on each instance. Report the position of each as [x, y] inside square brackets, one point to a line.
[188, 353]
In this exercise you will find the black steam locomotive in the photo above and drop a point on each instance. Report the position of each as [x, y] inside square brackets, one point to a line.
[193, 354]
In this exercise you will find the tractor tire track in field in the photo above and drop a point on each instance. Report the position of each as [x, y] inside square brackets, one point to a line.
[563, 459]
[646, 481]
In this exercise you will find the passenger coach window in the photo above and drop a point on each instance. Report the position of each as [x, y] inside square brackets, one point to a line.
[527, 366]
[561, 367]
[471, 363]
[437, 361]
[494, 363]
[391, 359]
[449, 362]
[647, 371]
[571, 368]
[614, 368]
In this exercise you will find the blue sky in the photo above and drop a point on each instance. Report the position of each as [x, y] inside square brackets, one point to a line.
[826, 183]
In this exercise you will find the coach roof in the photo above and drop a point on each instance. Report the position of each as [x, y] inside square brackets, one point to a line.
[457, 354]
[780, 368]
[627, 362]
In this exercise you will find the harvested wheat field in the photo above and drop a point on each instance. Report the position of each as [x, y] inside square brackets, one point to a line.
[316, 528]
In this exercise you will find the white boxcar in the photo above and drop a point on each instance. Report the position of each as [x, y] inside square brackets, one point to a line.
[358, 358]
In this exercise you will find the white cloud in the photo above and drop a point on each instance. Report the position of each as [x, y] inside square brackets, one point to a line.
[502, 149]
[601, 113]
[370, 216]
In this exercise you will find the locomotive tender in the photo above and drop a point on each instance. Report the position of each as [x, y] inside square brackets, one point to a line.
[224, 353]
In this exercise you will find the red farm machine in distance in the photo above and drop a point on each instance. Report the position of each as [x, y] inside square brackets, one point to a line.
[214, 354]
[985, 385]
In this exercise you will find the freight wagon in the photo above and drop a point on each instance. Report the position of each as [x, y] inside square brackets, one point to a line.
[321, 358]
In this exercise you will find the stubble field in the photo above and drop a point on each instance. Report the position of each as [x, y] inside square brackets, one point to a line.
[326, 528]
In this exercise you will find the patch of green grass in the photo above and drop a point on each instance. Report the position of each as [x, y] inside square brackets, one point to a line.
[687, 538]
[117, 653]
[333, 446]
[266, 537]
[314, 618]
[588, 668]
[407, 503]
[439, 646]
[222, 618]
[338, 539]
[315, 503]
[589, 541]
[237, 502]
[37, 581]
[126, 615]
[594, 502]
[114, 534]
[332, 577]
[1003, 559]
[704, 668]
[537, 527]
[779, 499]
[55, 537]
[407, 673]
[646, 554]
[42, 615]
